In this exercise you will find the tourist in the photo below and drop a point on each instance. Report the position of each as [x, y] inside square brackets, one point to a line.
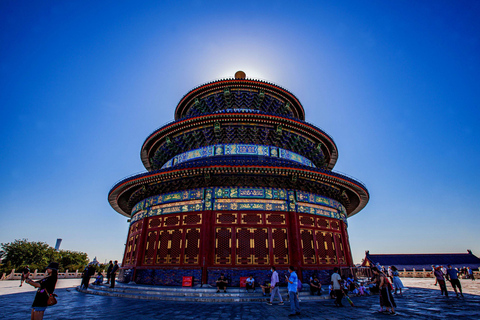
[350, 284]
[109, 271]
[344, 286]
[390, 273]
[292, 291]
[470, 273]
[337, 287]
[299, 288]
[25, 271]
[385, 297]
[362, 290]
[88, 272]
[396, 280]
[274, 288]
[98, 279]
[440, 279]
[222, 283]
[331, 292]
[46, 287]
[113, 274]
[315, 286]
[265, 288]
[444, 270]
[386, 293]
[452, 276]
[250, 283]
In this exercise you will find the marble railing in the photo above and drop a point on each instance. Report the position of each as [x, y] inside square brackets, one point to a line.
[39, 275]
[426, 274]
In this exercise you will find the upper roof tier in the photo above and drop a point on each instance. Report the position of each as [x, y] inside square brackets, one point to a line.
[239, 93]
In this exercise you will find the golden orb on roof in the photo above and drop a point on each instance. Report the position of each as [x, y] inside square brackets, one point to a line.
[240, 75]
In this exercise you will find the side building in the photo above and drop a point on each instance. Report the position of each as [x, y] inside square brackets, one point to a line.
[236, 183]
[420, 261]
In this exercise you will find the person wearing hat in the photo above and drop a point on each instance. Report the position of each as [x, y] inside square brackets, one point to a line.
[45, 286]
[440, 279]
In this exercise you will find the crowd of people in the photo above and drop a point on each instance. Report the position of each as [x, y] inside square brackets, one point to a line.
[385, 281]
[90, 271]
[450, 274]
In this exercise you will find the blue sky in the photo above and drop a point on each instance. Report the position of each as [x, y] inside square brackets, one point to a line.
[395, 83]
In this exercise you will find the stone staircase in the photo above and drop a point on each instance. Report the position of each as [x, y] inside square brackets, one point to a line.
[195, 294]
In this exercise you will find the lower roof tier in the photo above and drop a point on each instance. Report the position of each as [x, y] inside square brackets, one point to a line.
[239, 171]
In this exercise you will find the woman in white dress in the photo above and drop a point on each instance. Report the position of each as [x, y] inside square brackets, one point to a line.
[396, 280]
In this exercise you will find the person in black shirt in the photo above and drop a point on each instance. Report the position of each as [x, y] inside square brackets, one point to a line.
[222, 283]
[113, 274]
[109, 271]
[25, 271]
[46, 286]
[87, 274]
[315, 286]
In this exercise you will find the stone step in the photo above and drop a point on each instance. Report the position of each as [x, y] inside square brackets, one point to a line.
[187, 294]
[188, 290]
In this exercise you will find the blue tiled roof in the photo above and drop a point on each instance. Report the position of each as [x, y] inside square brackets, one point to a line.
[424, 261]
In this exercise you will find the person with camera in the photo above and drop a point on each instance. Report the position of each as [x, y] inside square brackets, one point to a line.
[45, 286]
[25, 271]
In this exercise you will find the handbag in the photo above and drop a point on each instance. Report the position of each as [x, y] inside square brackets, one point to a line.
[51, 298]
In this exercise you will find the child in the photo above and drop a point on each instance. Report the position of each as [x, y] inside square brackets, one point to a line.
[331, 292]
[362, 291]
[98, 279]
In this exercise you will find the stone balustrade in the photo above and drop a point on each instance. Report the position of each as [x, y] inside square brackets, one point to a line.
[39, 275]
[426, 274]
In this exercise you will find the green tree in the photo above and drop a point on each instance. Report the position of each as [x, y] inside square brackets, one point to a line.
[38, 255]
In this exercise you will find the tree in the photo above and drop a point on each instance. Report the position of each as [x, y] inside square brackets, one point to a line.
[38, 255]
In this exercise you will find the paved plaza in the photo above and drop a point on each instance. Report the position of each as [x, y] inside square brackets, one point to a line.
[421, 301]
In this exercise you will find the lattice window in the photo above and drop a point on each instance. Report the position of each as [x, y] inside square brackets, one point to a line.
[133, 257]
[331, 256]
[275, 218]
[340, 251]
[192, 246]
[280, 246]
[149, 255]
[334, 225]
[321, 247]
[155, 222]
[306, 221]
[323, 223]
[137, 226]
[128, 254]
[244, 246]
[308, 248]
[175, 248]
[192, 219]
[163, 246]
[227, 218]
[223, 246]
[251, 218]
[260, 246]
[171, 221]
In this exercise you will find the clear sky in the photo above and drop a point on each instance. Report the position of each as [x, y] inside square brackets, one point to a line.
[395, 83]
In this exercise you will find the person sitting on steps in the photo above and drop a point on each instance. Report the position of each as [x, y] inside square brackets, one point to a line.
[250, 283]
[222, 283]
[315, 286]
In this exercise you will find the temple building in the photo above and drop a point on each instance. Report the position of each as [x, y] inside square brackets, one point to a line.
[238, 182]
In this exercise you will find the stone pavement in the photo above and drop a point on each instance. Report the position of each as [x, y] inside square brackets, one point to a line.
[421, 301]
